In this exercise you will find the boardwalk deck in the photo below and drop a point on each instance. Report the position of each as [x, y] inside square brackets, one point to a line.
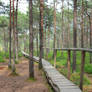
[59, 82]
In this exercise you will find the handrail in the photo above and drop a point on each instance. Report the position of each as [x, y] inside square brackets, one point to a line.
[72, 49]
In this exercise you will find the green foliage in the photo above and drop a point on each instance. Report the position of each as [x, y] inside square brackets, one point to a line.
[31, 79]
[3, 21]
[63, 71]
[16, 62]
[2, 57]
[75, 77]
[7, 55]
[14, 74]
[10, 67]
[88, 68]
[20, 54]
[22, 22]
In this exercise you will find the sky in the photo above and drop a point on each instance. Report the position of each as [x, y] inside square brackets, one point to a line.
[23, 5]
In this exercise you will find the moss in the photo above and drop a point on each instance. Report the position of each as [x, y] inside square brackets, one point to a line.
[31, 79]
[13, 74]
[9, 67]
[16, 62]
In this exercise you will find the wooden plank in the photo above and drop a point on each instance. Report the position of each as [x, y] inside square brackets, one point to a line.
[58, 80]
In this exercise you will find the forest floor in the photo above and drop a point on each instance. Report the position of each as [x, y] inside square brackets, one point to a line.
[89, 87]
[21, 83]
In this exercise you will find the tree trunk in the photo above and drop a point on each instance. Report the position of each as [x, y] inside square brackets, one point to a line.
[62, 27]
[45, 40]
[82, 25]
[16, 31]
[68, 27]
[31, 63]
[25, 43]
[74, 34]
[90, 19]
[48, 38]
[4, 41]
[37, 45]
[41, 33]
[13, 67]
[54, 31]
[62, 22]
[87, 42]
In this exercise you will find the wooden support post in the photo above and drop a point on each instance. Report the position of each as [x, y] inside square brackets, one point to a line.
[55, 54]
[82, 70]
[69, 64]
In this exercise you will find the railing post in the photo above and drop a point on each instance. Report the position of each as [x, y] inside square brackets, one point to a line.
[69, 64]
[82, 70]
[55, 52]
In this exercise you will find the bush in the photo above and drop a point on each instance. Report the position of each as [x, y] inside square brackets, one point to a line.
[75, 77]
[2, 54]
[63, 71]
[2, 59]
[20, 54]
[88, 68]
[7, 55]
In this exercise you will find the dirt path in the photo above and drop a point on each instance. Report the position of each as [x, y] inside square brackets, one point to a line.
[20, 83]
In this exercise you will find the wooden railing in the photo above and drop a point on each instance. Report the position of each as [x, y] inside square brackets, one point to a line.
[83, 50]
[58, 82]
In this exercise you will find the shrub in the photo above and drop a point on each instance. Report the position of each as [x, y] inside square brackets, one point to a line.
[2, 59]
[63, 71]
[16, 62]
[7, 55]
[88, 68]
[75, 77]
[20, 54]
[2, 54]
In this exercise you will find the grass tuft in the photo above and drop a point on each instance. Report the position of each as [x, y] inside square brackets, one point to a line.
[14, 74]
[31, 79]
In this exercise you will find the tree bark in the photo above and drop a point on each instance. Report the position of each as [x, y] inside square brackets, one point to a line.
[25, 43]
[31, 63]
[48, 37]
[4, 41]
[13, 67]
[62, 22]
[82, 25]
[41, 34]
[90, 19]
[54, 32]
[68, 26]
[37, 44]
[74, 34]
[16, 30]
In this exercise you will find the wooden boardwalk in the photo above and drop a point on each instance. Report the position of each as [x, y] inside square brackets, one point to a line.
[56, 79]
